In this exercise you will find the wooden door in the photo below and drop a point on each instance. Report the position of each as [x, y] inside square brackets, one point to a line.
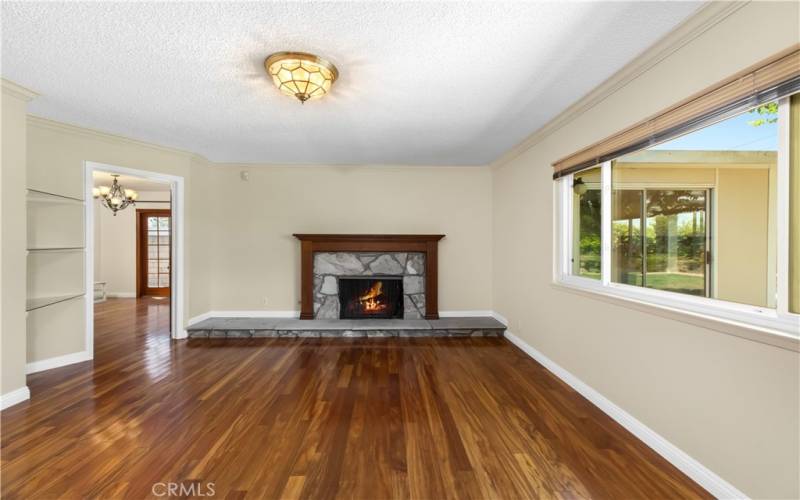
[153, 252]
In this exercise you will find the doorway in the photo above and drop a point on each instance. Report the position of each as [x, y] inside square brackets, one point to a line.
[153, 252]
[155, 303]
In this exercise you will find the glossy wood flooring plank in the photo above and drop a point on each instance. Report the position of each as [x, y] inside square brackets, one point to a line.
[436, 418]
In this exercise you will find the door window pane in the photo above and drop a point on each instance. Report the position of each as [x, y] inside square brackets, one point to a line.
[626, 232]
[158, 252]
[586, 227]
[675, 241]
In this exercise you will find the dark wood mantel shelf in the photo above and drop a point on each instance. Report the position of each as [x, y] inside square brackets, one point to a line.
[423, 243]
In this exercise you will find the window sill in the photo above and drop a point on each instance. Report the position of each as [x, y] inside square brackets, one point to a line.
[751, 323]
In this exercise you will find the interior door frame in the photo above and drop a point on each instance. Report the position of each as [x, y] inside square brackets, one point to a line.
[141, 249]
[177, 265]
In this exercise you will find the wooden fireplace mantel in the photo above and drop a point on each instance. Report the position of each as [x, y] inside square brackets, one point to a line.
[423, 243]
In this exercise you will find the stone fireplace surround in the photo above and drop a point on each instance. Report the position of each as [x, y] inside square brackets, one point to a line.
[387, 250]
[329, 266]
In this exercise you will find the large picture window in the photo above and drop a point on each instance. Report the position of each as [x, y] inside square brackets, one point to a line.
[696, 221]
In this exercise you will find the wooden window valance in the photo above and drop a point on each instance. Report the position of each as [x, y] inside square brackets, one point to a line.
[768, 80]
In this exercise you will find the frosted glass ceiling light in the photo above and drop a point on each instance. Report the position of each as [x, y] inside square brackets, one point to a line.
[300, 75]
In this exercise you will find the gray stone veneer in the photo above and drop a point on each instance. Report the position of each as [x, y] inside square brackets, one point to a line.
[329, 266]
[232, 334]
[235, 328]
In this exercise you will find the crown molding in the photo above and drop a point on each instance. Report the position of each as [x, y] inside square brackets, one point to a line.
[707, 17]
[387, 166]
[18, 91]
[38, 121]
[46, 123]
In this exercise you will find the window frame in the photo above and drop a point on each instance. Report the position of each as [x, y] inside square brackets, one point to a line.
[775, 322]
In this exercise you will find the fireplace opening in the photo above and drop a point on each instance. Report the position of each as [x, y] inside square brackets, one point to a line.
[371, 297]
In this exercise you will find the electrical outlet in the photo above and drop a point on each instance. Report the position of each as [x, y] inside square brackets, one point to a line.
[266, 301]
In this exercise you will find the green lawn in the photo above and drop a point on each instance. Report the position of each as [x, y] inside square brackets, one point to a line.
[692, 284]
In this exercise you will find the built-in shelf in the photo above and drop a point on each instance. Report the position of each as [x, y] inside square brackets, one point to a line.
[43, 196]
[54, 222]
[56, 249]
[39, 302]
[55, 269]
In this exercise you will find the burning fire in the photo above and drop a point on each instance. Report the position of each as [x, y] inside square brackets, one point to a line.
[370, 301]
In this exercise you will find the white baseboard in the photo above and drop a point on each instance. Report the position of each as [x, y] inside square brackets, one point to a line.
[674, 455]
[17, 396]
[121, 295]
[464, 314]
[58, 361]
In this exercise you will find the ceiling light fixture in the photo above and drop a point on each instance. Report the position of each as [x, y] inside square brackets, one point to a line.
[300, 75]
[115, 198]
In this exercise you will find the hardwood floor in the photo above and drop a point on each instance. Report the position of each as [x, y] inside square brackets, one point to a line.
[314, 418]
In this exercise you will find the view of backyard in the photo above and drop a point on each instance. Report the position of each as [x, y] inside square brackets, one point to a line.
[661, 198]
[674, 241]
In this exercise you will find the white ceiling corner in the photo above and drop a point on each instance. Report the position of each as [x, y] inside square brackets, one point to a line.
[450, 83]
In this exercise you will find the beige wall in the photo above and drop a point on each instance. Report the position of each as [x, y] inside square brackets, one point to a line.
[199, 281]
[240, 251]
[744, 253]
[115, 244]
[14, 239]
[730, 403]
[250, 225]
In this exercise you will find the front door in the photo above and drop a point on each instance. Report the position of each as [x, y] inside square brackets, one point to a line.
[153, 252]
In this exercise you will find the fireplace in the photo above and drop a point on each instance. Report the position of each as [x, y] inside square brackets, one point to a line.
[326, 258]
[370, 297]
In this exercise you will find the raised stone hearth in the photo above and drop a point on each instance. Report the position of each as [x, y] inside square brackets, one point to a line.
[287, 327]
[329, 266]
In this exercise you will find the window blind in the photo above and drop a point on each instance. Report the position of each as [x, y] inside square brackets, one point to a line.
[768, 80]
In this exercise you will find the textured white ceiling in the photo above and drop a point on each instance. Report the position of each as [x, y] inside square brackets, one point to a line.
[421, 83]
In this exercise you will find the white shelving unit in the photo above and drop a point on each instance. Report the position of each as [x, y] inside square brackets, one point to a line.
[55, 268]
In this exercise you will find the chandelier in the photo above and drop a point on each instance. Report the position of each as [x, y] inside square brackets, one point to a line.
[115, 198]
[300, 75]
